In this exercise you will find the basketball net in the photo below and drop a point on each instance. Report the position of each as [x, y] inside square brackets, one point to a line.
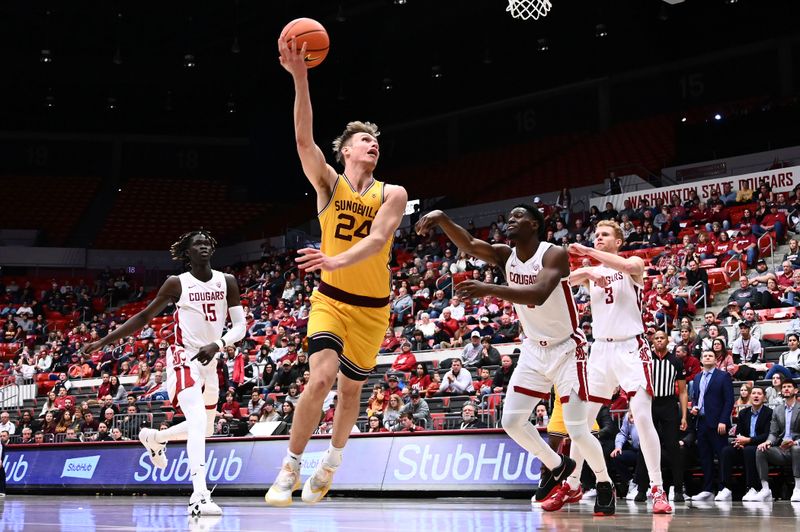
[525, 9]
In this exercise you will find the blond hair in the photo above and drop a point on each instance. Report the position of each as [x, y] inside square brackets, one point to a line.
[351, 129]
[614, 227]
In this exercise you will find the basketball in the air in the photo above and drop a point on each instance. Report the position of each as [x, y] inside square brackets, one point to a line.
[307, 30]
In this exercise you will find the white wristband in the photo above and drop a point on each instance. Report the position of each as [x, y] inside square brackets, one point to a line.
[220, 343]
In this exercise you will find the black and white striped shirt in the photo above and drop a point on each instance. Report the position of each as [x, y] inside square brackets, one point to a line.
[666, 371]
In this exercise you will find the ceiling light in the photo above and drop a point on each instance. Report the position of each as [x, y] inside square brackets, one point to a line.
[387, 84]
[45, 56]
[717, 116]
[600, 31]
[340, 16]
[111, 103]
[436, 72]
[542, 44]
[189, 61]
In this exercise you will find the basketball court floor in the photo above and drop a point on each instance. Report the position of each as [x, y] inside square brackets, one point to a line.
[86, 513]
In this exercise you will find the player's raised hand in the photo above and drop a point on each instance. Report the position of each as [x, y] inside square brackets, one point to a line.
[312, 259]
[578, 249]
[426, 224]
[471, 289]
[292, 59]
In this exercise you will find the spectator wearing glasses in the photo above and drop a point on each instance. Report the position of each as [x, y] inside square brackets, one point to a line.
[469, 419]
[374, 424]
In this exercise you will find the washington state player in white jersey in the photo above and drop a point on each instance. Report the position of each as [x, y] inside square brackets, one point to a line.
[552, 352]
[203, 298]
[620, 354]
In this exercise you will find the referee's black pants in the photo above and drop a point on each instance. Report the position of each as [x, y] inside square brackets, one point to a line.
[667, 420]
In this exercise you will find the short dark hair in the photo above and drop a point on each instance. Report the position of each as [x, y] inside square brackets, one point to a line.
[537, 215]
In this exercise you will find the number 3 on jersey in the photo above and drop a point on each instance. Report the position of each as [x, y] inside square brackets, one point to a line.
[346, 224]
[609, 294]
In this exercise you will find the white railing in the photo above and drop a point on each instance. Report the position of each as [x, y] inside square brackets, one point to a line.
[9, 396]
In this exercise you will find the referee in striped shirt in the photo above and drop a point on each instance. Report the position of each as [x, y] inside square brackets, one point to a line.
[669, 408]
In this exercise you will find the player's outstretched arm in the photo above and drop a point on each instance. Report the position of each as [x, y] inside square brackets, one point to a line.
[555, 266]
[170, 292]
[582, 275]
[631, 265]
[383, 227]
[496, 254]
[319, 173]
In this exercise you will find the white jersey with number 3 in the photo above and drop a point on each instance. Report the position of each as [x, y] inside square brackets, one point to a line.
[554, 320]
[201, 310]
[617, 307]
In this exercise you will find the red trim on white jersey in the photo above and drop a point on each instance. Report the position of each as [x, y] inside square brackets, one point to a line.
[178, 334]
[573, 309]
[531, 393]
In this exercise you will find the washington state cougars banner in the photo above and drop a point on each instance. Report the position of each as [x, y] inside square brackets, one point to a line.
[781, 180]
[447, 460]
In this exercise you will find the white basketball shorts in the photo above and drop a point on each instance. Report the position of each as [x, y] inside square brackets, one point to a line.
[184, 373]
[627, 363]
[542, 365]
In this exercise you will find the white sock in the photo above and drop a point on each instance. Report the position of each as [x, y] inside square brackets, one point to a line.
[333, 457]
[641, 407]
[175, 432]
[293, 459]
[199, 478]
[764, 485]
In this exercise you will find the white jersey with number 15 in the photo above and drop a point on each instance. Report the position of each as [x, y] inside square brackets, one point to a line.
[201, 310]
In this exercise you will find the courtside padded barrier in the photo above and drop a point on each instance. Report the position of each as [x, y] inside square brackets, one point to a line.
[453, 461]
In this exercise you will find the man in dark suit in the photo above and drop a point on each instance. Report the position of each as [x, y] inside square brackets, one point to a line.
[712, 401]
[752, 429]
[781, 447]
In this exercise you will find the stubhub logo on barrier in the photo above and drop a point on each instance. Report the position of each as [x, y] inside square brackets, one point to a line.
[83, 467]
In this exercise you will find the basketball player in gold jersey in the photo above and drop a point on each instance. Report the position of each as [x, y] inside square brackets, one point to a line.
[350, 309]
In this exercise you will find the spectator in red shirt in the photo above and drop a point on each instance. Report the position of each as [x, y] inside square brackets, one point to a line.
[772, 220]
[723, 247]
[407, 423]
[785, 278]
[745, 244]
[420, 379]
[484, 385]
[105, 386]
[662, 305]
[230, 408]
[390, 342]
[327, 419]
[64, 401]
[448, 323]
[704, 247]
[405, 360]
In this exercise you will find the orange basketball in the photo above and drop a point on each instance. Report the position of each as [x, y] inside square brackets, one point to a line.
[307, 30]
